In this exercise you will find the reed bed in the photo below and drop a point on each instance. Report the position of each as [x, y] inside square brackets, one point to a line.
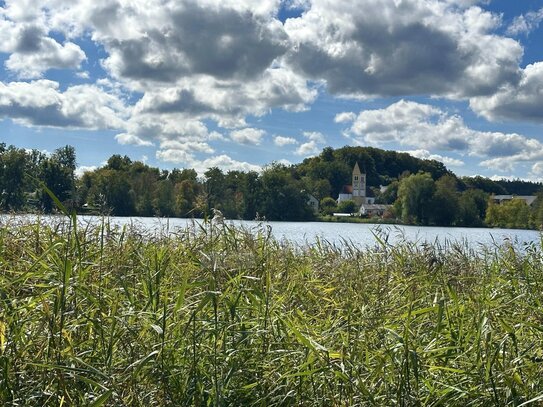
[214, 315]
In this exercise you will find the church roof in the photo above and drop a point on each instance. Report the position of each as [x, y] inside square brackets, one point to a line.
[347, 189]
[357, 168]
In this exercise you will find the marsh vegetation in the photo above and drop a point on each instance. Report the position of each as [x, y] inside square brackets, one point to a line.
[218, 315]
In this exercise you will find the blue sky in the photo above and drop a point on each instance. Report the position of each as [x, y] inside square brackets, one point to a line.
[241, 83]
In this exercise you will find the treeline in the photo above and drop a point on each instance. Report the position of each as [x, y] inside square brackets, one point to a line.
[420, 191]
[449, 201]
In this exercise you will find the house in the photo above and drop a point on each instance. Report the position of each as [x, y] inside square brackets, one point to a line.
[372, 210]
[529, 199]
[357, 190]
[313, 203]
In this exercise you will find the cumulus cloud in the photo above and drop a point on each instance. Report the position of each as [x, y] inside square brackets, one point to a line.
[229, 102]
[312, 146]
[248, 136]
[171, 44]
[281, 141]
[426, 155]
[390, 47]
[427, 127]
[177, 137]
[41, 103]
[223, 161]
[344, 117]
[521, 102]
[79, 171]
[24, 35]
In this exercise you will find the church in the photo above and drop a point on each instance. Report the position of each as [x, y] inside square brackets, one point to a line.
[357, 190]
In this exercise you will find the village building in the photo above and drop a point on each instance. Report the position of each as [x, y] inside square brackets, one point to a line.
[313, 203]
[529, 199]
[357, 192]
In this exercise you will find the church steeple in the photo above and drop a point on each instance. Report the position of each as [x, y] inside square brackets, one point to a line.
[359, 185]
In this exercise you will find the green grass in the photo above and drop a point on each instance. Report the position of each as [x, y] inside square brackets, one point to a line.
[220, 316]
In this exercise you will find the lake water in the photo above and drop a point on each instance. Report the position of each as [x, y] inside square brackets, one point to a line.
[358, 234]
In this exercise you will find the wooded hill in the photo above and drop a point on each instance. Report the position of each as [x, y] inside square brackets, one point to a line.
[383, 167]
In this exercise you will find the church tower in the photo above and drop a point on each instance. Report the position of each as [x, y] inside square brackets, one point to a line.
[359, 185]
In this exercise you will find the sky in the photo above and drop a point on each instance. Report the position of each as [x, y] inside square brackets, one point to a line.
[238, 84]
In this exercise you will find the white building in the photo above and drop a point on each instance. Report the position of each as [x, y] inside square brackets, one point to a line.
[357, 190]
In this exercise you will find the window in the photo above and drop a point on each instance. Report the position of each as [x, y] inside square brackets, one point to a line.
[356, 177]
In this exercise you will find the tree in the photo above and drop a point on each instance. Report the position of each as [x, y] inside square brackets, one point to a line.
[282, 196]
[328, 206]
[537, 212]
[445, 203]
[213, 188]
[414, 201]
[163, 202]
[472, 206]
[347, 207]
[511, 214]
[13, 164]
[57, 172]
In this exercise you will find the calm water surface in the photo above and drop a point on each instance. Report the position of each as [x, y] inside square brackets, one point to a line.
[337, 233]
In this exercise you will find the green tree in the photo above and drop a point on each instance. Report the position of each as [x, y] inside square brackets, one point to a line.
[13, 165]
[472, 206]
[282, 195]
[445, 201]
[511, 214]
[347, 207]
[328, 206]
[163, 202]
[57, 172]
[414, 203]
[537, 212]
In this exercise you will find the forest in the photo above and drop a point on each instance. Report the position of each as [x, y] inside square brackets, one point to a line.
[419, 191]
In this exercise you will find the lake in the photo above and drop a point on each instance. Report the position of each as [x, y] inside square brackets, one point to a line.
[358, 234]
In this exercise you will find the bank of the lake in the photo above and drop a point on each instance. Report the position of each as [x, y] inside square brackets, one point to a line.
[218, 314]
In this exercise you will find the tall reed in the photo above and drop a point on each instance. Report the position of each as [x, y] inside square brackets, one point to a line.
[215, 315]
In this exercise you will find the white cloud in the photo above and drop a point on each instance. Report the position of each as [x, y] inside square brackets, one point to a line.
[521, 102]
[130, 139]
[50, 55]
[224, 162]
[284, 141]
[315, 136]
[79, 171]
[24, 35]
[175, 156]
[308, 149]
[426, 127]
[526, 23]
[313, 146]
[345, 117]
[426, 155]
[41, 103]
[223, 60]
[248, 136]
[391, 47]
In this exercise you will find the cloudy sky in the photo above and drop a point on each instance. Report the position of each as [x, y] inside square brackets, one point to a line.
[240, 83]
